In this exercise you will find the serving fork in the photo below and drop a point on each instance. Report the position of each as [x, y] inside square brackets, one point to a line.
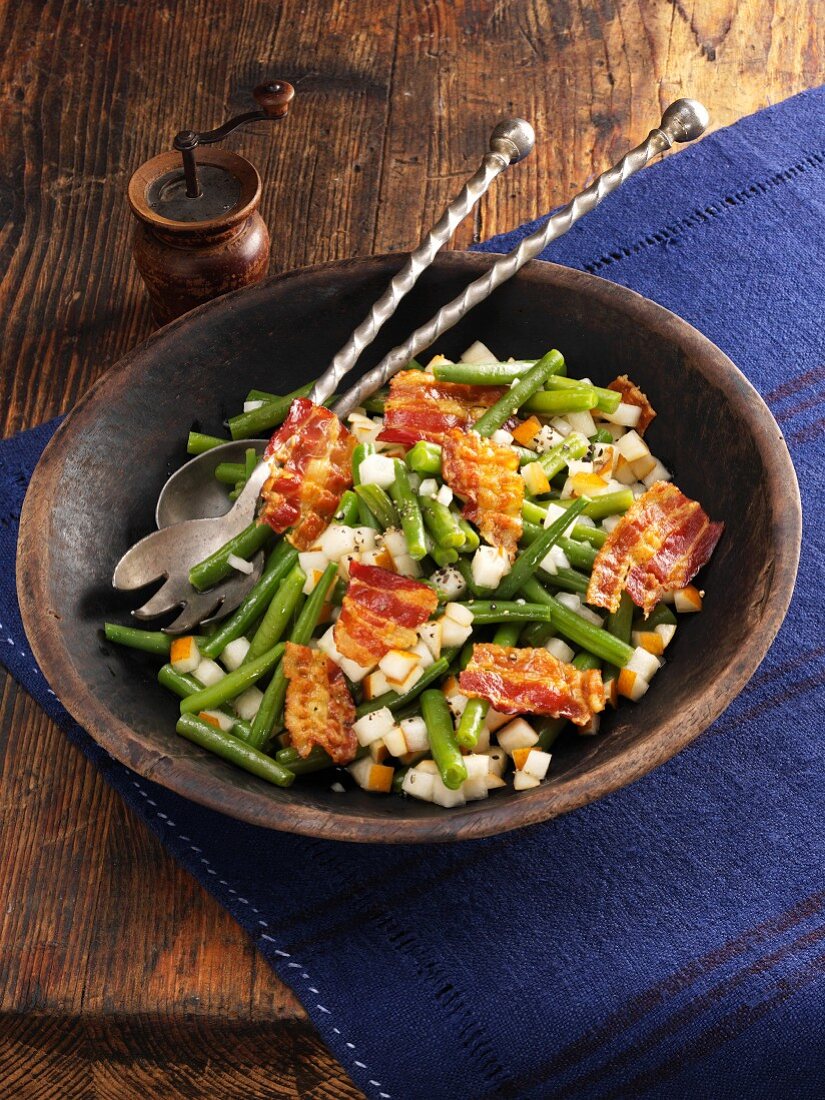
[170, 553]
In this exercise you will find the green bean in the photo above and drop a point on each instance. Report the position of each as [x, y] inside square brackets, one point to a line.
[362, 451]
[279, 563]
[579, 554]
[514, 398]
[214, 568]
[424, 458]
[232, 684]
[608, 504]
[441, 556]
[228, 473]
[594, 535]
[592, 638]
[250, 461]
[483, 374]
[536, 635]
[263, 395]
[229, 747]
[504, 611]
[278, 615]
[272, 704]
[528, 560]
[620, 624]
[601, 436]
[550, 728]
[561, 402]
[608, 400]
[573, 446]
[442, 524]
[412, 522]
[568, 580]
[317, 759]
[466, 570]
[534, 513]
[150, 641]
[394, 702]
[347, 511]
[375, 405]
[269, 416]
[659, 616]
[178, 683]
[379, 503]
[198, 443]
[443, 745]
[471, 539]
[472, 720]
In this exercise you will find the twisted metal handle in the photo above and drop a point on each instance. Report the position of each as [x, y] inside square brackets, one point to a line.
[683, 120]
[510, 142]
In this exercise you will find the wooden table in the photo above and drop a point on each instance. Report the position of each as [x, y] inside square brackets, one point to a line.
[119, 976]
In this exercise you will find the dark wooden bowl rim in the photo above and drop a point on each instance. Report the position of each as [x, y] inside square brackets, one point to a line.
[181, 775]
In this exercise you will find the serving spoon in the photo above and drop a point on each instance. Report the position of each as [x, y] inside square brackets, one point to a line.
[171, 552]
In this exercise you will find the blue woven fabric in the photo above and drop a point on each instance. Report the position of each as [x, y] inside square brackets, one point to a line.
[668, 941]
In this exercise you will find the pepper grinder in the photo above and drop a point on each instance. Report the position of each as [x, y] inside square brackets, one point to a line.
[198, 231]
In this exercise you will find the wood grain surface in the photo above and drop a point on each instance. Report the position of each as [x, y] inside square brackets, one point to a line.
[118, 975]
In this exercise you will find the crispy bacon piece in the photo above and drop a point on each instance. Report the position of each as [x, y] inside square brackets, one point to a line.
[532, 681]
[311, 462]
[319, 708]
[419, 407]
[381, 611]
[485, 476]
[632, 395]
[658, 546]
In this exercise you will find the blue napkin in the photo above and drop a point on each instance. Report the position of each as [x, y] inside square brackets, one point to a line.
[668, 941]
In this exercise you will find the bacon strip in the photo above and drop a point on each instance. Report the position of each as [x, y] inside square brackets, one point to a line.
[419, 407]
[381, 611]
[319, 708]
[532, 681]
[658, 546]
[311, 462]
[632, 395]
[485, 476]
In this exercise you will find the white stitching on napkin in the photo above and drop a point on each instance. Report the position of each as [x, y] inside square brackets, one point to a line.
[263, 935]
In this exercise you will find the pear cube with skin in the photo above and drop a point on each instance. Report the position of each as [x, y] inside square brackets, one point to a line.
[375, 685]
[456, 625]
[430, 634]
[397, 665]
[217, 719]
[688, 599]
[632, 447]
[524, 782]
[396, 742]
[371, 776]
[626, 415]
[373, 726]
[536, 764]
[184, 654]
[518, 734]
[415, 734]
[418, 784]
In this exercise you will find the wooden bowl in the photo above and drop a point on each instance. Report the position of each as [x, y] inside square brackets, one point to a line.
[94, 491]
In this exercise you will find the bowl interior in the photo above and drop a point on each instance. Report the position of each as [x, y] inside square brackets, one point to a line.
[95, 490]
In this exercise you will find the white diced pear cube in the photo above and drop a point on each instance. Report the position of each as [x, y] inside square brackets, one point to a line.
[377, 470]
[493, 781]
[666, 632]
[545, 438]
[536, 764]
[495, 719]
[428, 487]
[415, 734]
[475, 788]
[337, 541]
[184, 654]
[418, 784]
[632, 447]
[373, 725]
[233, 654]
[452, 633]
[430, 634]
[409, 683]
[443, 796]
[582, 422]
[610, 523]
[626, 415]
[591, 727]
[352, 670]
[688, 599]
[397, 665]
[524, 782]
[218, 719]
[449, 582]
[561, 650]
[644, 664]
[489, 565]
[445, 496]
[478, 353]
[407, 567]
[422, 652]
[553, 560]
[498, 760]
[395, 741]
[248, 703]
[483, 740]
[429, 766]
[476, 763]
[375, 684]
[395, 542]
[364, 538]
[560, 425]
[658, 473]
[459, 614]
[502, 437]
[517, 734]
[208, 672]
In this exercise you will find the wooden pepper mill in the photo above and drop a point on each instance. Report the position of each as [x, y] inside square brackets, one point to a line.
[198, 232]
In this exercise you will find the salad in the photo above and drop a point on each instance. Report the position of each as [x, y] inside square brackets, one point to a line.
[482, 557]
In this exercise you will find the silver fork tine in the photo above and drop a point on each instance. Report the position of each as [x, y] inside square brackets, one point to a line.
[510, 142]
[171, 594]
[141, 564]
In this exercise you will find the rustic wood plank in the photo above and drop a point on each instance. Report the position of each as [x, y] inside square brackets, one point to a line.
[394, 107]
